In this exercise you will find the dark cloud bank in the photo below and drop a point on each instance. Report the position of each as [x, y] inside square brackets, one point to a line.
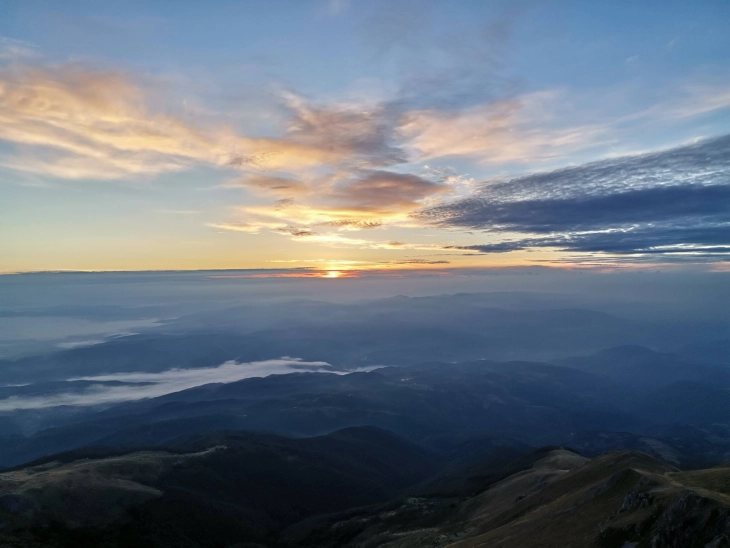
[675, 201]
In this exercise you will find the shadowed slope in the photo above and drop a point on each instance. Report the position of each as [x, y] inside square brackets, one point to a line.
[240, 486]
[560, 500]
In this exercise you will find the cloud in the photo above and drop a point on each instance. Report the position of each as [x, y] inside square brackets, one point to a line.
[419, 261]
[616, 191]
[74, 122]
[360, 266]
[12, 49]
[249, 227]
[672, 202]
[121, 387]
[384, 192]
[272, 185]
[346, 201]
[80, 344]
[712, 240]
[367, 192]
[501, 247]
[91, 123]
[706, 204]
[335, 136]
[450, 101]
[702, 99]
[330, 167]
[545, 125]
[297, 231]
[325, 168]
[353, 193]
[361, 134]
[353, 224]
[338, 240]
[516, 129]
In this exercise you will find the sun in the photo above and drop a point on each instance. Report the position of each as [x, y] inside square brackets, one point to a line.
[333, 274]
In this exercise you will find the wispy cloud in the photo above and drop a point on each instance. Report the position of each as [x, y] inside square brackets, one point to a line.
[509, 130]
[12, 49]
[74, 122]
[701, 99]
[272, 185]
[337, 240]
[348, 201]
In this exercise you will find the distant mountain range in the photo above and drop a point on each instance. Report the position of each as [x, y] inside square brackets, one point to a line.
[455, 420]
[594, 403]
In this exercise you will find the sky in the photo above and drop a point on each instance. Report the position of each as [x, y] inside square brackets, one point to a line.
[338, 137]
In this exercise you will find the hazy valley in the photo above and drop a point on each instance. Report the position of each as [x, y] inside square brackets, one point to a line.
[499, 419]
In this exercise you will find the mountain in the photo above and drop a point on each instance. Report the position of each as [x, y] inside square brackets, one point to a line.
[393, 331]
[521, 400]
[647, 369]
[716, 350]
[689, 402]
[359, 487]
[211, 490]
[529, 403]
[553, 498]
[453, 420]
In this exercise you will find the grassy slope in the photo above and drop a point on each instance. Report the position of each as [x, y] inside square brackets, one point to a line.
[559, 500]
[232, 487]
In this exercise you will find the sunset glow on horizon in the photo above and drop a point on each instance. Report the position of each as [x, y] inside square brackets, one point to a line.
[340, 137]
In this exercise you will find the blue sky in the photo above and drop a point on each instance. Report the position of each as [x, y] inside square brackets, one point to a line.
[335, 134]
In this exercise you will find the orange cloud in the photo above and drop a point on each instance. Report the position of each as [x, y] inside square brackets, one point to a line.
[92, 124]
[74, 122]
[272, 185]
[323, 209]
[385, 192]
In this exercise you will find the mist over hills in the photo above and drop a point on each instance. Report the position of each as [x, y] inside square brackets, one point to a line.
[454, 419]
[537, 403]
